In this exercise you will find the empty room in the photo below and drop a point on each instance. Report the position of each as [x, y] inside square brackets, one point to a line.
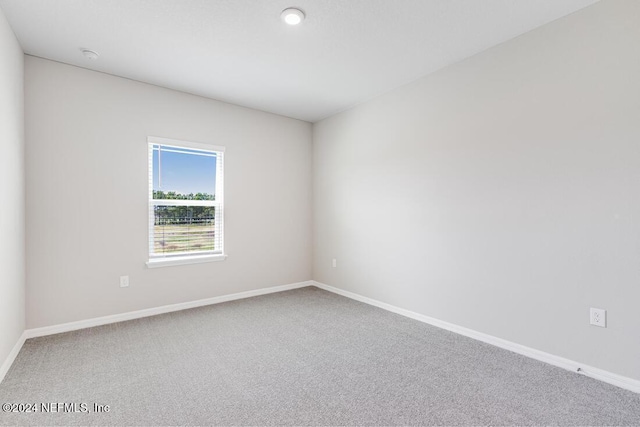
[320, 212]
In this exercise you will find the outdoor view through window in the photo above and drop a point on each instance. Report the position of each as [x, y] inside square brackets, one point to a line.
[185, 198]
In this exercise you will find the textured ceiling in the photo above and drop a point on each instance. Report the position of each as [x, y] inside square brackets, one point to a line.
[239, 51]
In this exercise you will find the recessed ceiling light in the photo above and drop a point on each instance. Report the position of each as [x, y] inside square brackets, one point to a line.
[292, 16]
[88, 53]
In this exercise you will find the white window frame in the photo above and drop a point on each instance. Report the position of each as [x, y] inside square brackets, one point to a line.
[180, 258]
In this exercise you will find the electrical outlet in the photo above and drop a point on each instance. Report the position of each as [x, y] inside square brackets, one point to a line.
[334, 263]
[124, 281]
[598, 317]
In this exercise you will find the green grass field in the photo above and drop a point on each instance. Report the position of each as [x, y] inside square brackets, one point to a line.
[183, 238]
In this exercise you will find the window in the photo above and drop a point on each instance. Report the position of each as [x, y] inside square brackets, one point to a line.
[186, 202]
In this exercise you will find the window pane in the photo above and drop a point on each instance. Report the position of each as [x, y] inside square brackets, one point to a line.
[184, 174]
[184, 229]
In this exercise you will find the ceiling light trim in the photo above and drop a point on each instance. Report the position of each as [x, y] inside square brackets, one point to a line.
[292, 16]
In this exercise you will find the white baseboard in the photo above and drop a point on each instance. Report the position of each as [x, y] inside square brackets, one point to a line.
[12, 356]
[600, 374]
[596, 373]
[98, 321]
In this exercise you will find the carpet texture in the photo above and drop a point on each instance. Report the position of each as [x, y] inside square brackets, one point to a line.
[302, 357]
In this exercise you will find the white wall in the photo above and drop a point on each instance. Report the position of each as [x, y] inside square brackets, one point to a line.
[12, 253]
[87, 194]
[502, 193]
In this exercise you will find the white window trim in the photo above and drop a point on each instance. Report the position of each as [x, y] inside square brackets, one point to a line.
[196, 258]
[183, 260]
[184, 144]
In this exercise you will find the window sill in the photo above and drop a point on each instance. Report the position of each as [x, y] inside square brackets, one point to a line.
[182, 260]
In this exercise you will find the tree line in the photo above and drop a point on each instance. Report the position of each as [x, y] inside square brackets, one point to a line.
[172, 195]
[178, 215]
